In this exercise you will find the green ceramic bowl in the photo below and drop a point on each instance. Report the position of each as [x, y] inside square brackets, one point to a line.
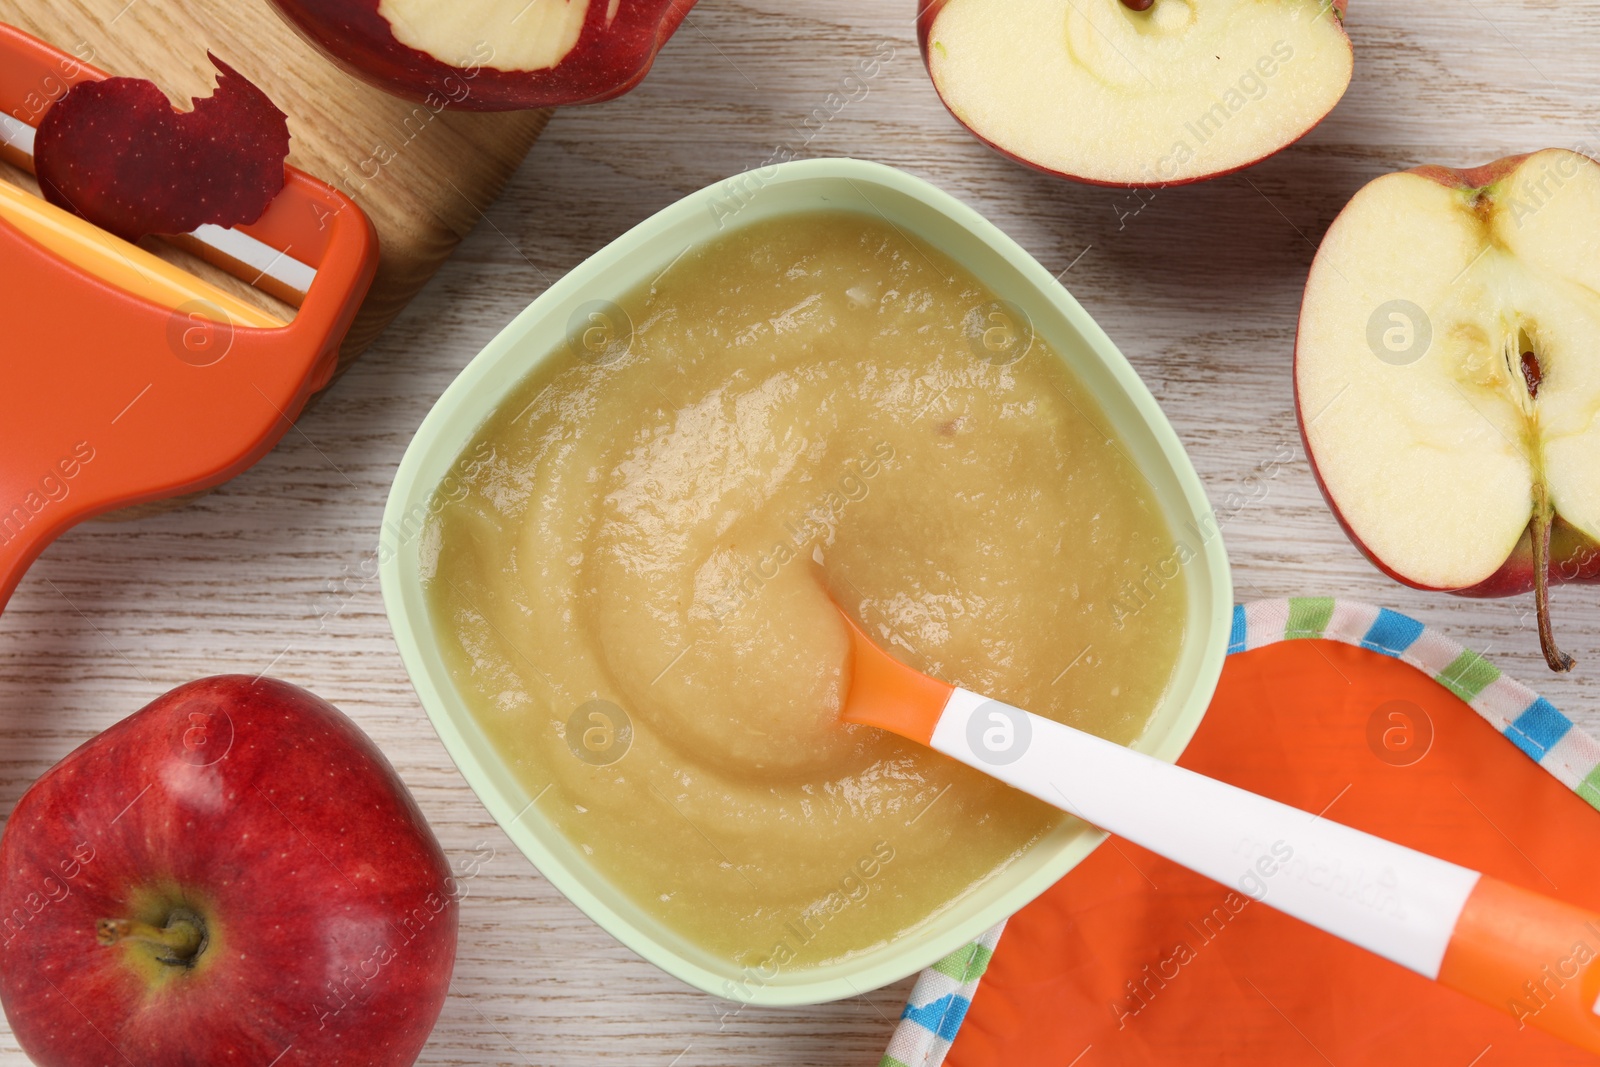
[793, 189]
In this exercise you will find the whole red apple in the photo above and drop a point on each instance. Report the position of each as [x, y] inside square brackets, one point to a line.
[491, 55]
[232, 875]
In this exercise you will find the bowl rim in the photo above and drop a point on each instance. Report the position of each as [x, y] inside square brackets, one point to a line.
[405, 604]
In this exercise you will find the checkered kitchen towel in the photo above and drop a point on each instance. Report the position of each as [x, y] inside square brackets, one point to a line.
[943, 994]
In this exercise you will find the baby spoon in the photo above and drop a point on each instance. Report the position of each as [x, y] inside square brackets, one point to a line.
[1510, 948]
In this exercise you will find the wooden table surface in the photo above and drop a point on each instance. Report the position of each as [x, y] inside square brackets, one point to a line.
[1200, 286]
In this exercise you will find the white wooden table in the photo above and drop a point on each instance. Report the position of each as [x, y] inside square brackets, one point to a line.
[1200, 288]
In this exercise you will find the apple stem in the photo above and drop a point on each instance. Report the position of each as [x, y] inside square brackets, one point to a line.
[1543, 516]
[181, 937]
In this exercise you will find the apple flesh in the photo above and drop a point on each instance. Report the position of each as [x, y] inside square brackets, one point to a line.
[1445, 377]
[233, 874]
[1114, 92]
[491, 55]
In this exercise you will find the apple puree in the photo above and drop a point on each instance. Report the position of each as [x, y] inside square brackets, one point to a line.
[632, 581]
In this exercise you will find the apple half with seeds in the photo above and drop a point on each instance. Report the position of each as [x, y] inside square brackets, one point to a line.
[1447, 379]
[1137, 92]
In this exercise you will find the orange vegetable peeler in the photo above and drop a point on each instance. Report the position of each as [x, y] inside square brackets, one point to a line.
[127, 379]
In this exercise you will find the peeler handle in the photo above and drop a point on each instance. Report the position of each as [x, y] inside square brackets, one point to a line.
[1511, 948]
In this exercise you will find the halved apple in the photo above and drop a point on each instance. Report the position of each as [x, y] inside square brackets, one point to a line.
[1447, 377]
[1137, 92]
[492, 55]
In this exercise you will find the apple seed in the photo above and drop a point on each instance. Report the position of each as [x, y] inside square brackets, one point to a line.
[1138, 5]
[1531, 373]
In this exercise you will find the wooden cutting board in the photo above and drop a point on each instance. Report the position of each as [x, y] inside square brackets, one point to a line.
[423, 178]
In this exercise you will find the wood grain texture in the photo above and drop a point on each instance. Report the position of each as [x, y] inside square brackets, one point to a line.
[1200, 287]
[422, 177]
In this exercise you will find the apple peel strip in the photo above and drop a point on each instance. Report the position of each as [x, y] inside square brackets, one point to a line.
[943, 993]
[235, 244]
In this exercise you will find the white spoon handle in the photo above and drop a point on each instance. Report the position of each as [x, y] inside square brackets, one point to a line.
[1394, 901]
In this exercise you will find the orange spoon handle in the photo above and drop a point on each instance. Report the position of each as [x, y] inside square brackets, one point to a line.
[1529, 955]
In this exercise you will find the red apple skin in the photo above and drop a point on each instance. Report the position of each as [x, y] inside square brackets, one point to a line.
[1574, 557]
[606, 62]
[928, 11]
[328, 902]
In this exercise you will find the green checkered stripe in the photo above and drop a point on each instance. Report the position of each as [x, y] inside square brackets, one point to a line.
[943, 994]
[938, 1003]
